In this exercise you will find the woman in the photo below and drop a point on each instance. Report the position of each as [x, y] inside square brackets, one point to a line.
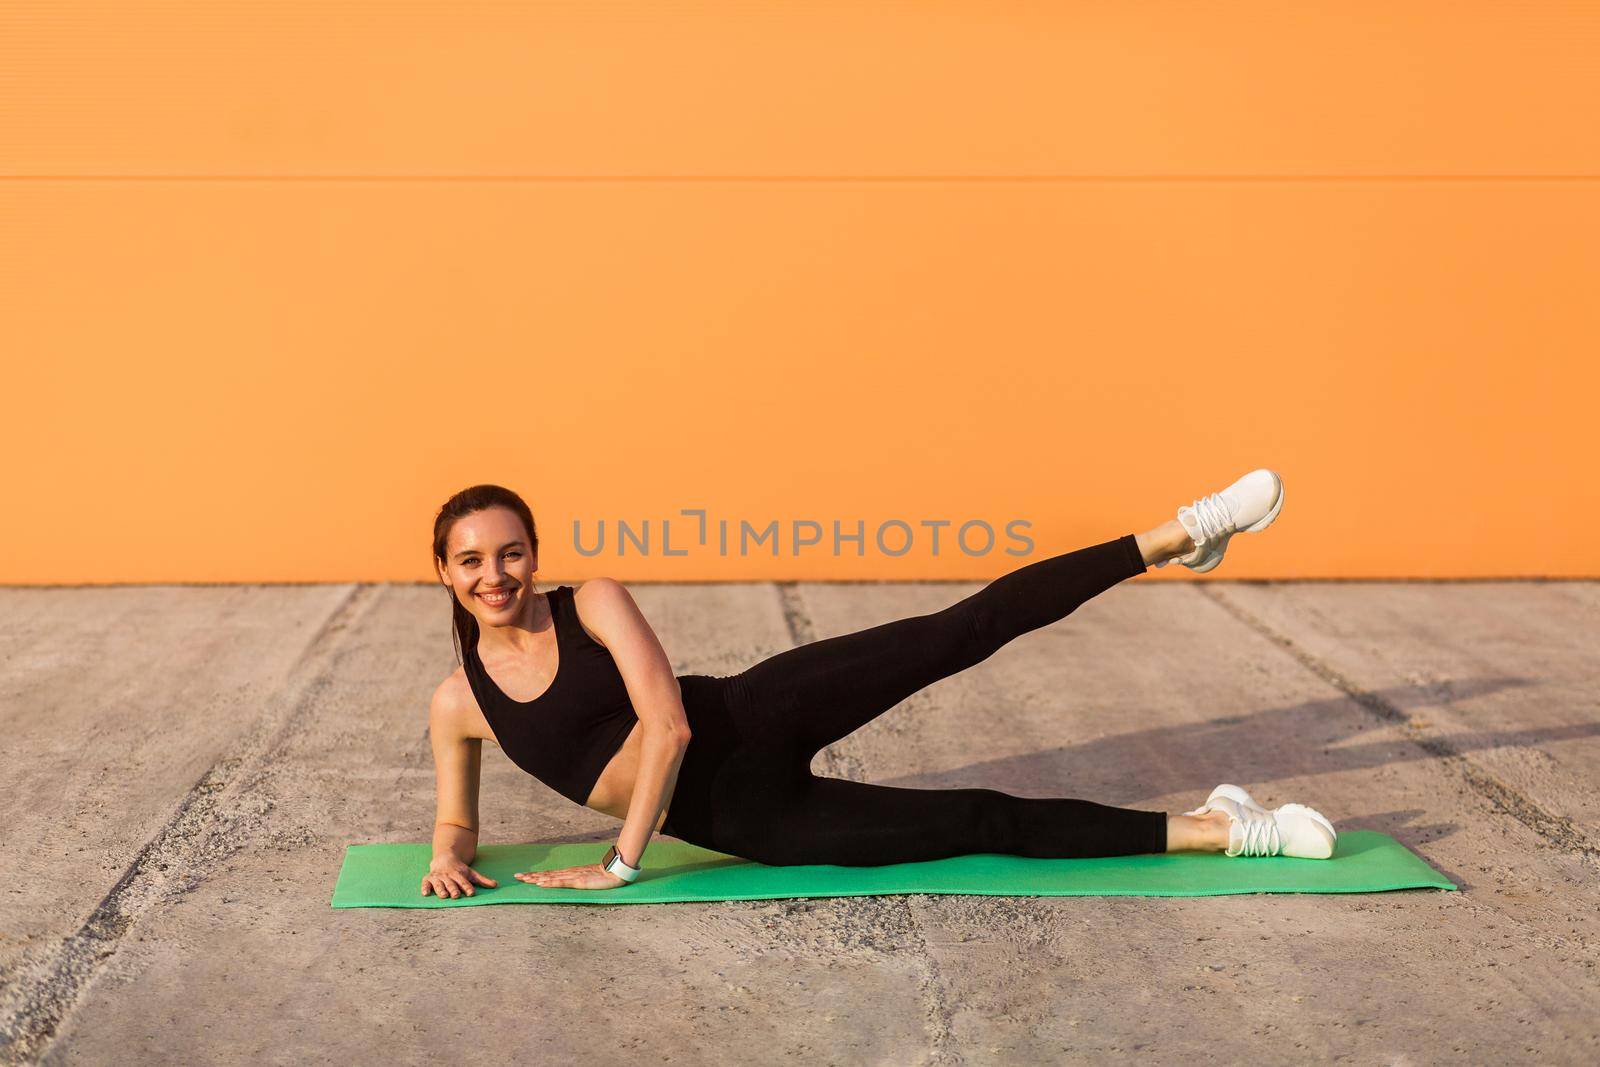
[575, 688]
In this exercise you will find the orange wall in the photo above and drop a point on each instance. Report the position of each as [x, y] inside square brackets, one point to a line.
[277, 278]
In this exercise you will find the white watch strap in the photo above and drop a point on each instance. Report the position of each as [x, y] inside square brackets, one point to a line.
[615, 864]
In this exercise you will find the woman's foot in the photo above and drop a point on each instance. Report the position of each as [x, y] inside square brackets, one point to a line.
[1249, 505]
[1162, 543]
[1231, 821]
[1207, 832]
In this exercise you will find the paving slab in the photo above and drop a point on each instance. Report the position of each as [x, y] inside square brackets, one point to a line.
[213, 940]
[1505, 674]
[120, 707]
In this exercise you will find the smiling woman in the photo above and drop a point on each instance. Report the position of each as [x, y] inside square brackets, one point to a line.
[572, 685]
[576, 689]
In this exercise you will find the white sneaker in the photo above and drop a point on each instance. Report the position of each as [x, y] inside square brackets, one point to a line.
[1237, 802]
[1292, 830]
[1247, 506]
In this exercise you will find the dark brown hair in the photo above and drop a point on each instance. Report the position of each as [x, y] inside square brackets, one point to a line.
[463, 626]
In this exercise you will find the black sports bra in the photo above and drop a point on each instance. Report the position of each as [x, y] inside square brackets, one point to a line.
[566, 735]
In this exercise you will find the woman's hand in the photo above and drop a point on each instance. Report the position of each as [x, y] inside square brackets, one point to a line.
[448, 874]
[589, 876]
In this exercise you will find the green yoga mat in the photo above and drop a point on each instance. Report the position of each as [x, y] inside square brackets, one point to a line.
[390, 876]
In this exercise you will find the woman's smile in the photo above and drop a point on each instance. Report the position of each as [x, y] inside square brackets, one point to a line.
[498, 599]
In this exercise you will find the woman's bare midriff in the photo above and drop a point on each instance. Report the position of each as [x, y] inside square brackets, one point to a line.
[613, 790]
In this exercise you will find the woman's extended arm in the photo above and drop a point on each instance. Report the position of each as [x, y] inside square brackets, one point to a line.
[660, 756]
[457, 760]
[608, 609]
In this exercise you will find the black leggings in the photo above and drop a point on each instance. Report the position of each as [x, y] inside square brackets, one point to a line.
[745, 786]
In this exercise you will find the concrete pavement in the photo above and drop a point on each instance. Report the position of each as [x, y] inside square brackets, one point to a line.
[185, 766]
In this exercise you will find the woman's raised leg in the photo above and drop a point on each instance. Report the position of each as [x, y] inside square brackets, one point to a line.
[813, 695]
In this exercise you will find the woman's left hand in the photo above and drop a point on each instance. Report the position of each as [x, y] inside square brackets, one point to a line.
[589, 876]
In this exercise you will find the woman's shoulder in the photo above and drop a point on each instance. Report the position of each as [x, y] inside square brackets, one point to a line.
[601, 605]
[599, 595]
[454, 693]
[598, 586]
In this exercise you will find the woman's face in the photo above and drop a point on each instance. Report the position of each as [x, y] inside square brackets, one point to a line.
[488, 554]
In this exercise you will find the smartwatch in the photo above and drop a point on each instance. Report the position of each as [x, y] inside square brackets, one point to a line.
[614, 864]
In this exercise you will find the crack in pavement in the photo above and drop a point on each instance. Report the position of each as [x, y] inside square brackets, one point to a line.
[213, 820]
[837, 760]
[1558, 830]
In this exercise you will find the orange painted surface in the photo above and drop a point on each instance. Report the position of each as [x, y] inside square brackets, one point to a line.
[828, 87]
[276, 279]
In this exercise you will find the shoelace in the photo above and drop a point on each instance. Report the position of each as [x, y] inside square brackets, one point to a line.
[1211, 514]
[1261, 837]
